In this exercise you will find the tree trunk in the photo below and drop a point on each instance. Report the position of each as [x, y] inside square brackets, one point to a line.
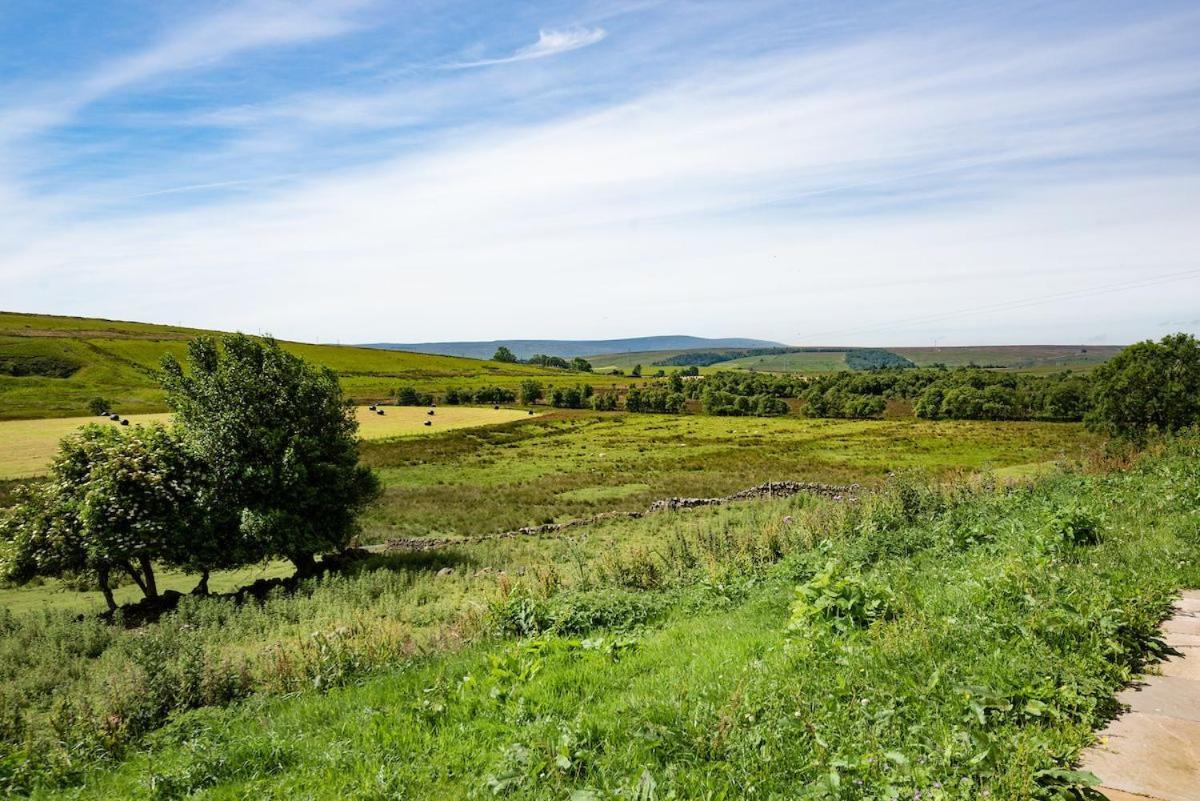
[105, 588]
[202, 587]
[133, 574]
[306, 564]
[148, 573]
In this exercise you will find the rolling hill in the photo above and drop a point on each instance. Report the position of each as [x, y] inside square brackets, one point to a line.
[569, 348]
[51, 366]
[1021, 358]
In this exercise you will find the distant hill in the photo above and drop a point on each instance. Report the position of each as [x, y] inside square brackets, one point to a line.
[569, 348]
[809, 360]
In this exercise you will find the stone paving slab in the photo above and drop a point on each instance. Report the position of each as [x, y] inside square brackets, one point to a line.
[1181, 641]
[1149, 755]
[1169, 696]
[1152, 753]
[1181, 667]
[1118, 795]
[1182, 624]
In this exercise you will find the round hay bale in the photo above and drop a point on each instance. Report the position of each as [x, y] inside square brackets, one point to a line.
[428, 422]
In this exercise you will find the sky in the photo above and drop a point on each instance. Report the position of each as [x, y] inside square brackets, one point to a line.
[818, 173]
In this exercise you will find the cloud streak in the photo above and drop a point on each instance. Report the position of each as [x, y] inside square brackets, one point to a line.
[549, 43]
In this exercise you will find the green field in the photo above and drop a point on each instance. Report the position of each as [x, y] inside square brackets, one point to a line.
[117, 361]
[569, 464]
[670, 656]
[30, 444]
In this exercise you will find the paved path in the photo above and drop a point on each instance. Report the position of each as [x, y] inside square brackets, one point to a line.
[1152, 752]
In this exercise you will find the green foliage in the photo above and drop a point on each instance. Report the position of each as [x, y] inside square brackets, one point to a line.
[410, 396]
[99, 406]
[531, 392]
[503, 354]
[636, 372]
[555, 362]
[45, 366]
[1072, 527]
[1148, 388]
[875, 359]
[571, 397]
[604, 401]
[581, 365]
[839, 599]
[115, 500]
[279, 447]
[657, 399]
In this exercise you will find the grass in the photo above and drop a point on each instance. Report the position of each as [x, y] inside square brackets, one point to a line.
[29, 445]
[935, 642]
[117, 361]
[570, 464]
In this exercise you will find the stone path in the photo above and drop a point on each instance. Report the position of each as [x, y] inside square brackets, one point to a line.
[1152, 752]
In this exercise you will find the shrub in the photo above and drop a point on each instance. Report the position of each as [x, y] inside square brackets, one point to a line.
[840, 600]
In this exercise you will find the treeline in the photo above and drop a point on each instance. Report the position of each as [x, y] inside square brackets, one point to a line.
[960, 394]
[503, 354]
[408, 396]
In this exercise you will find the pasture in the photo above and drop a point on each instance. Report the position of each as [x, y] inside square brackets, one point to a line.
[27, 446]
[117, 361]
[569, 464]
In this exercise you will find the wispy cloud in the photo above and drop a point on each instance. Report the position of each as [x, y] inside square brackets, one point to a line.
[203, 41]
[549, 43]
[769, 191]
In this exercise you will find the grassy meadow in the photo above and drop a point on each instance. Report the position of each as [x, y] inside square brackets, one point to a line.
[958, 640]
[570, 464]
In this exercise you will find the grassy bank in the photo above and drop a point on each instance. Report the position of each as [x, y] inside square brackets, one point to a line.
[959, 641]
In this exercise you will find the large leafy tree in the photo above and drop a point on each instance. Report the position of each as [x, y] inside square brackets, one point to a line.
[1148, 388]
[116, 501]
[279, 445]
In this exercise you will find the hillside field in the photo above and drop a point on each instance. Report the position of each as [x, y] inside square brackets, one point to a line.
[116, 360]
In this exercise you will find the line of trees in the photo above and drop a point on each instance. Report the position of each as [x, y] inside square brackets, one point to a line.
[260, 462]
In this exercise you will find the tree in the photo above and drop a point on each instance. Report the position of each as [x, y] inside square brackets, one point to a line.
[636, 372]
[581, 365]
[1148, 388]
[116, 500]
[98, 406]
[278, 444]
[503, 354]
[531, 392]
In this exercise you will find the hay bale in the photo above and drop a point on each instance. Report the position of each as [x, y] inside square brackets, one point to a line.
[379, 411]
[428, 422]
[125, 422]
[114, 417]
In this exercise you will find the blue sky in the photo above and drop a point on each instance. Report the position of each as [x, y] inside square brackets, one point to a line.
[817, 173]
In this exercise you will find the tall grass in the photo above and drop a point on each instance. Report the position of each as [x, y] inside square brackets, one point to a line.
[957, 640]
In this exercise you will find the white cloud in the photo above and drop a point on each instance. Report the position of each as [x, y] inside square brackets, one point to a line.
[791, 195]
[549, 43]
